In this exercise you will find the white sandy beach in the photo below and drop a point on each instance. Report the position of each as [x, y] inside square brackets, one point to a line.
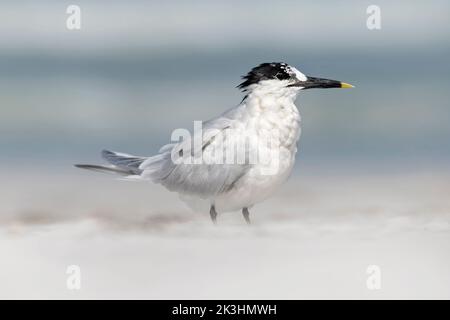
[314, 239]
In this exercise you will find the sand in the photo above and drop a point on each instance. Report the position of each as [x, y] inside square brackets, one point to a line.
[314, 239]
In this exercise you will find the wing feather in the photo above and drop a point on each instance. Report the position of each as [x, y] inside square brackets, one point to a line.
[201, 179]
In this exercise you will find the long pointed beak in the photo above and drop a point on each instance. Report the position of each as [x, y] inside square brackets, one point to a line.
[312, 82]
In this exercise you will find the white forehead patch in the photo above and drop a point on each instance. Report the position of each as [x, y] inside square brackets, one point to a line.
[300, 76]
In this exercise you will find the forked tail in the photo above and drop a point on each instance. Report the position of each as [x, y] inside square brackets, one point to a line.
[121, 163]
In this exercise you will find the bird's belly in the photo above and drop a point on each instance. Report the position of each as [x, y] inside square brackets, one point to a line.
[257, 185]
[263, 180]
[274, 156]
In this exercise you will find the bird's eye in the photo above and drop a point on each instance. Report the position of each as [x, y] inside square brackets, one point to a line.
[282, 76]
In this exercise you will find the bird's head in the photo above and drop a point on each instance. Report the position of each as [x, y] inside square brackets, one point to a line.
[281, 78]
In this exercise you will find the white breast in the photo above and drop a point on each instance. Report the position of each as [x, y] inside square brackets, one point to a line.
[277, 116]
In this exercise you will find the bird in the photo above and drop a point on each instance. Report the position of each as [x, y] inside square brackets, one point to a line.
[218, 167]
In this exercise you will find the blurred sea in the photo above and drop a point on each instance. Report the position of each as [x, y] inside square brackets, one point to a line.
[133, 73]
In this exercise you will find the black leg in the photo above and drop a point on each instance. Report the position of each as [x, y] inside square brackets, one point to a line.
[246, 215]
[213, 214]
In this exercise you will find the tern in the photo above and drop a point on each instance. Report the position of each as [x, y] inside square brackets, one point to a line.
[267, 113]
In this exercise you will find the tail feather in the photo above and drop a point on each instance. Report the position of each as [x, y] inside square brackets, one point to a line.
[121, 163]
[104, 169]
[124, 161]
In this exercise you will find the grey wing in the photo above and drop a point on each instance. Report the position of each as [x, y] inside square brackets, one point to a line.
[201, 179]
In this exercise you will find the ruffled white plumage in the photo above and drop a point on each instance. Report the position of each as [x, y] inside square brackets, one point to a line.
[233, 186]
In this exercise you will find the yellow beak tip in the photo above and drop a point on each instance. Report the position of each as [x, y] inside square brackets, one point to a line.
[346, 85]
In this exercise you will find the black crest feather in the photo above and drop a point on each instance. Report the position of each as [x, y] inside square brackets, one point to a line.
[266, 71]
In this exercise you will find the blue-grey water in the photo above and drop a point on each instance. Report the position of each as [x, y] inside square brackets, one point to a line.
[56, 108]
[133, 73]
